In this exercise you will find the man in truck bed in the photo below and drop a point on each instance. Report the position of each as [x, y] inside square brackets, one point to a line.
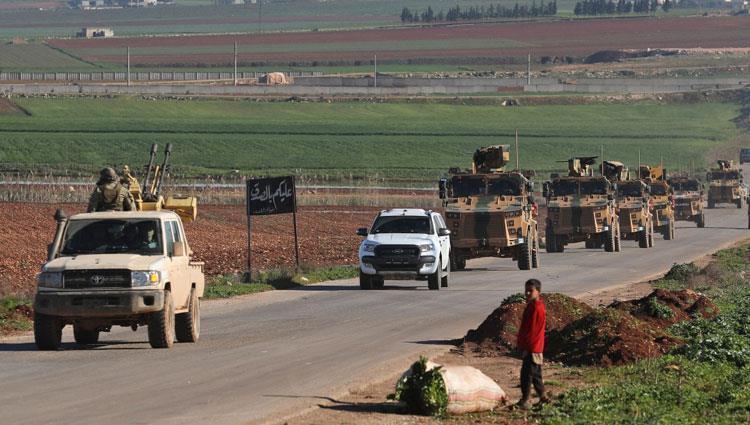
[109, 194]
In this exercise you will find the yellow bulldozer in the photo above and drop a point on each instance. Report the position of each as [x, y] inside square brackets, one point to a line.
[148, 194]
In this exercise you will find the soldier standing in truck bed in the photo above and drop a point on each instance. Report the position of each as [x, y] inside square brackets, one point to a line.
[110, 194]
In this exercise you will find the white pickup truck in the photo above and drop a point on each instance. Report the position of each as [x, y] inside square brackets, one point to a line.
[111, 268]
[405, 244]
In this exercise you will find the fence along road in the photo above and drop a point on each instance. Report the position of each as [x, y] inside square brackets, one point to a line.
[264, 356]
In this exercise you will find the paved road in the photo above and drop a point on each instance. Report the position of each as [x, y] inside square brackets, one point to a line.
[274, 353]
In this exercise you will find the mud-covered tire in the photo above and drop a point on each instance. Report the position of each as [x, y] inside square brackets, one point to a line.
[433, 280]
[444, 279]
[524, 256]
[702, 221]
[161, 324]
[188, 325]
[85, 336]
[47, 332]
[535, 263]
[365, 281]
[609, 240]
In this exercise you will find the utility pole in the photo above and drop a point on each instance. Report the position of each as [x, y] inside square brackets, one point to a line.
[128, 52]
[260, 16]
[376, 70]
[518, 154]
[235, 63]
[528, 71]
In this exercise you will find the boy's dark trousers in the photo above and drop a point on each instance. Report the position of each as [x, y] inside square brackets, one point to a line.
[531, 373]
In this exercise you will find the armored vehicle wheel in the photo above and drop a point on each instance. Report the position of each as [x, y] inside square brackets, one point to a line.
[365, 281]
[535, 254]
[651, 236]
[47, 332]
[592, 244]
[738, 203]
[188, 325]
[161, 324]
[460, 263]
[711, 204]
[702, 221]
[524, 256]
[669, 232]
[85, 336]
[618, 240]
[643, 239]
[550, 244]
[444, 279]
[433, 280]
[377, 282]
[609, 240]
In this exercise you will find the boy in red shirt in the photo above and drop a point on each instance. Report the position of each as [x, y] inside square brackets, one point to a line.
[530, 340]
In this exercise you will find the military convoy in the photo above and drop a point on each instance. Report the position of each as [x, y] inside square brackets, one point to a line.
[688, 200]
[491, 212]
[581, 208]
[725, 185]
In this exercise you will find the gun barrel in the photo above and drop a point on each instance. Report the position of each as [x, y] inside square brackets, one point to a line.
[150, 167]
[164, 168]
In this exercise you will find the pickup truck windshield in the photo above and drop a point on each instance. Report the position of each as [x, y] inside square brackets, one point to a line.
[402, 225]
[133, 236]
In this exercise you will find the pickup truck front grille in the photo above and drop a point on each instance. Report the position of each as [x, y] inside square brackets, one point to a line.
[84, 279]
[400, 251]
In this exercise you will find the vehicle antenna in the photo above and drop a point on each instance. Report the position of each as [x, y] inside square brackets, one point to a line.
[518, 159]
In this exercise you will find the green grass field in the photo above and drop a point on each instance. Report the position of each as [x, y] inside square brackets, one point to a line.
[39, 57]
[350, 140]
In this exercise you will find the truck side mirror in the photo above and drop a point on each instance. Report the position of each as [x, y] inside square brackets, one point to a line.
[444, 232]
[178, 250]
[362, 231]
[443, 188]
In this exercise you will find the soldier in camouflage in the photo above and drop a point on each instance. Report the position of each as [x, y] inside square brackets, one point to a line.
[110, 194]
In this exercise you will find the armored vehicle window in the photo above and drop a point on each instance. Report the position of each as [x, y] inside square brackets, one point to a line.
[468, 186]
[725, 175]
[594, 187]
[658, 190]
[505, 187]
[402, 225]
[634, 189]
[564, 187]
[691, 185]
[132, 236]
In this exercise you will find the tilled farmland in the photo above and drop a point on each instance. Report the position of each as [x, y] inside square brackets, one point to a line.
[326, 237]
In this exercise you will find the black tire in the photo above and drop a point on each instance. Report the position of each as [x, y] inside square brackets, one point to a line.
[643, 239]
[739, 203]
[702, 221]
[161, 324]
[433, 280]
[711, 204]
[444, 279]
[618, 240]
[651, 236]
[188, 325]
[535, 263]
[591, 244]
[524, 256]
[669, 233]
[47, 332]
[609, 240]
[85, 336]
[377, 282]
[365, 281]
[460, 264]
[550, 243]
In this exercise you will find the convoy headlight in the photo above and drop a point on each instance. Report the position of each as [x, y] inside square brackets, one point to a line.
[369, 247]
[426, 247]
[50, 280]
[145, 278]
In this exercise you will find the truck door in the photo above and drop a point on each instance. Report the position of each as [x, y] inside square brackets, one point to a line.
[444, 240]
[178, 270]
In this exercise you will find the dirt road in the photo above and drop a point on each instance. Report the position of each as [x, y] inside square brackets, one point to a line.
[273, 354]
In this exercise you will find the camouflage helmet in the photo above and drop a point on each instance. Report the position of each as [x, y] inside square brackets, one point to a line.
[107, 175]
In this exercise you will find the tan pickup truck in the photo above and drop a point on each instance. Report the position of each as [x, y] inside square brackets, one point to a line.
[127, 269]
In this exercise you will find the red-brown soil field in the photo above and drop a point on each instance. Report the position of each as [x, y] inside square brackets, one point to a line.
[218, 237]
[543, 38]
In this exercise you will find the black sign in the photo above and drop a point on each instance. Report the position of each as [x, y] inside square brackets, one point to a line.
[273, 195]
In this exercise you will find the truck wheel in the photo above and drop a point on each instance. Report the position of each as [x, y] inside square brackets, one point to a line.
[47, 332]
[643, 239]
[377, 282]
[550, 243]
[444, 279]
[669, 232]
[651, 236]
[618, 237]
[85, 336]
[188, 325]
[609, 240]
[365, 281]
[524, 256]
[433, 280]
[702, 221]
[460, 264]
[535, 254]
[711, 204]
[161, 328]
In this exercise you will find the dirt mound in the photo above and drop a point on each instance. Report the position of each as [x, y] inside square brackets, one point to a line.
[498, 331]
[607, 337]
[664, 308]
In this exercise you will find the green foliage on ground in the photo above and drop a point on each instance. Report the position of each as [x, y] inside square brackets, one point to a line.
[654, 308]
[12, 317]
[706, 380]
[350, 140]
[517, 298]
[422, 391]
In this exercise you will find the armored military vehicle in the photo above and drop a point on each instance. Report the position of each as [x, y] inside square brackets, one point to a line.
[491, 212]
[688, 200]
[632, 204]
[581, 208]
[725, 185]
[662, 200]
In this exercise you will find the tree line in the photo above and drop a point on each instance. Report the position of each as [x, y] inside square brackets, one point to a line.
[608, 7]
[482, 12]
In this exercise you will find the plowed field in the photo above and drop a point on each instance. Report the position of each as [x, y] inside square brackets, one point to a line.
[550, 38]
[326, 237]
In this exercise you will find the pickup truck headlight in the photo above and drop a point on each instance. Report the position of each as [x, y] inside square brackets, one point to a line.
[145, 278]
[50, 280]
[369, 247]
[427, 247]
